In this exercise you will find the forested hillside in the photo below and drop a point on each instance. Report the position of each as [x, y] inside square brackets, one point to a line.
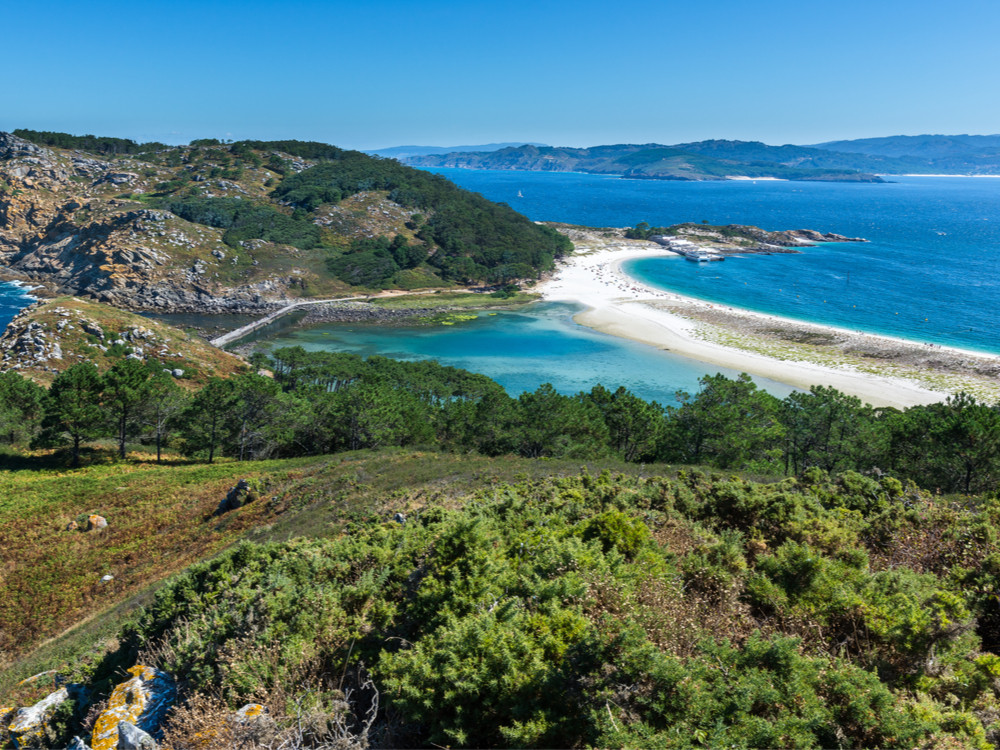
[857, 160]
[319, 402]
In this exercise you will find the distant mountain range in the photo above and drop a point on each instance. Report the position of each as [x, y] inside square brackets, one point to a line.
[843, 161]
[404, 152]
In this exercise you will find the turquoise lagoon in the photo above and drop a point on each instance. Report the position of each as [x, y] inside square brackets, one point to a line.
[521, 350]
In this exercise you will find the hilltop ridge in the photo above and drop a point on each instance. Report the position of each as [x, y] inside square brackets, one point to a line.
[707, 160]
[861, 160]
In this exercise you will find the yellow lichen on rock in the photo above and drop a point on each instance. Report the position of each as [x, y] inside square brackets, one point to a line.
[250, 711]
[29, 723]
[142, 701]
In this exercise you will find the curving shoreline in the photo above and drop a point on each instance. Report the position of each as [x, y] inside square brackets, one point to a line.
[880, 370]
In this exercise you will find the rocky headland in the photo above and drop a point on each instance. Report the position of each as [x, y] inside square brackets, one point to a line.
[69, 223]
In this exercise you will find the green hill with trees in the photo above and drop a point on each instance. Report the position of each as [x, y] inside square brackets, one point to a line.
[230, 227]
[857, 160]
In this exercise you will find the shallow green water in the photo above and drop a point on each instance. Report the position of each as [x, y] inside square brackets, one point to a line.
[521, 350]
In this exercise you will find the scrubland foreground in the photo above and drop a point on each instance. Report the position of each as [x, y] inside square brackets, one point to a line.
[401, 599]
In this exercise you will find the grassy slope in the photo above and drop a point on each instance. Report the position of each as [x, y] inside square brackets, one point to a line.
[160, 521]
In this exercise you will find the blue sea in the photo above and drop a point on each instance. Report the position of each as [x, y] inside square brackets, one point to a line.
[13, 299]
[930, 271]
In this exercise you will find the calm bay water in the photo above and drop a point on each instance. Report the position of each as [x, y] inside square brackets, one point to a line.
[930, 272]
[522, 350]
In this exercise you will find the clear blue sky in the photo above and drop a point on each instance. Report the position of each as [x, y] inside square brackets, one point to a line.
[375, 73]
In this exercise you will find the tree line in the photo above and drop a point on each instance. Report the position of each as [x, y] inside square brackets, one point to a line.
[321, 402]
[93, 143]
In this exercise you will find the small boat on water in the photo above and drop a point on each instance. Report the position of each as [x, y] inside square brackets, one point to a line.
[519, 195]
[703, 257]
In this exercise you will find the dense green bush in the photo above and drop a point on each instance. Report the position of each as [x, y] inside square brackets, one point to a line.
[92, 143]
[244, 220]
[591, 611]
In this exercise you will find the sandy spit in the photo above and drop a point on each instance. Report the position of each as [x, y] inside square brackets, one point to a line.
[880, 370]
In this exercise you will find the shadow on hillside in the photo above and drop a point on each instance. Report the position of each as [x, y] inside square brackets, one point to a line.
[13, 460]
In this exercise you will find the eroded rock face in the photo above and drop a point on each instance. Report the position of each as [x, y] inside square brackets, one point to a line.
[142, 701]
[130, 737]
[63, 222]
[28, 723]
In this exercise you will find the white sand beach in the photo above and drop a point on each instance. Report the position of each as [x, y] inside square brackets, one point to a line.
[619, 305]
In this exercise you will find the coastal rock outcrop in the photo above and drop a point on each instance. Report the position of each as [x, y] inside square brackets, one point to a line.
[46, 338]
[141, 701]
[65, 223]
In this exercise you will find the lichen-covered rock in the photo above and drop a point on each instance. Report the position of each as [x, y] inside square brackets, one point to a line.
[77, 744]
[29, 723]
[142, 701]
[250, 711]
[130, 737]
[96, 522]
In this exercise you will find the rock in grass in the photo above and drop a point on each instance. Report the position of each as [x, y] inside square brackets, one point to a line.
[250, 711]
[238, 496]
[28, 724]
[77, 744]
[95, 522]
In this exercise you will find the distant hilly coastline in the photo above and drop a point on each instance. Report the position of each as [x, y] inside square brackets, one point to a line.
[863, 160]
[403, 152]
